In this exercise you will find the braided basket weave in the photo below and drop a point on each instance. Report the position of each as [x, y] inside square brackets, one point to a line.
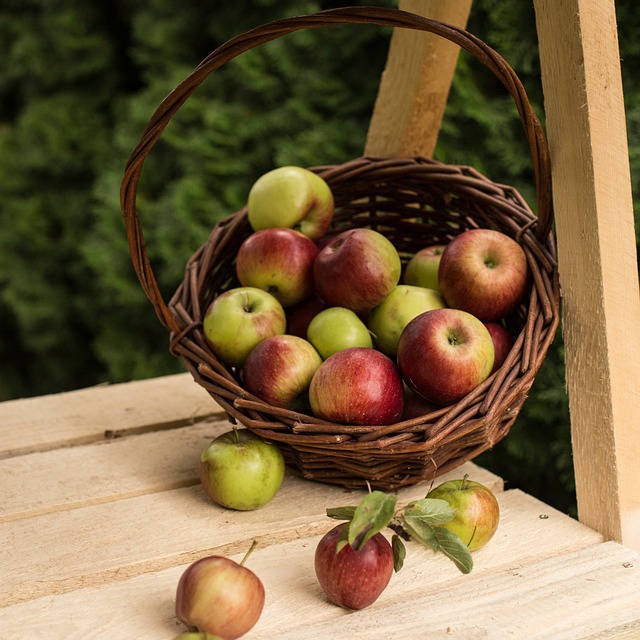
[414, 202]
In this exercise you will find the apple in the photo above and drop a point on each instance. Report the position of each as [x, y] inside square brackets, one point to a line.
[444, 354]
[239, 470]
[349, 578]
[299, 316]
[503, 342]
[357, 386]
[279, 261]
[240, 318]
[357, 269]
[485, 273]
[335, 329]
[477, 511]
[422, 268]
[394, 313]
[415, 405]
[291, 197]
[279, 371]
[218, 596]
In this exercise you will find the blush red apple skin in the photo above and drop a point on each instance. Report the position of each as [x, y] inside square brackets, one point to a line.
[219, 596]
[357, 269]
[279, 371]
[484, 272]
[279, 261]
[357, 386]
[444, 354]
[477, 511]
[353, 579]
[503, 342]
[299, 316]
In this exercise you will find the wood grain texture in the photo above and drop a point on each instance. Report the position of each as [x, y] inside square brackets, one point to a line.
[415, 84]
[597, 257]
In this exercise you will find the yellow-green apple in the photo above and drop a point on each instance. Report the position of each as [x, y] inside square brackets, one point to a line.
[279, 261]
[422, 268]
[291, 197]
[218, 596]
[357, 269]
[279, 371]
[335, 329]
[394, 313]
[444, 354]
[352, 578]
[477, 511]
[299, 316]
[241, 471]
[357, 386]
[239, 319]
[503, 342]
[484, 272]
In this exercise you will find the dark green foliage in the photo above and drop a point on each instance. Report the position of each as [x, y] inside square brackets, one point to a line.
[78, 84]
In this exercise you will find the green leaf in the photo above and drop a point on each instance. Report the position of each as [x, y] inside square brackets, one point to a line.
[420, 531]
[454, 548]
[343, 539]
[373, 514]
[432, 511]
[399, 552]
[341, 513]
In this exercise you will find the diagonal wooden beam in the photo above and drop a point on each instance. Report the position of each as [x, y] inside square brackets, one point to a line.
[586, 129]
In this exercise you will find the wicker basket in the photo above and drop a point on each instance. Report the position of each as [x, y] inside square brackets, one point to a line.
[414, 202]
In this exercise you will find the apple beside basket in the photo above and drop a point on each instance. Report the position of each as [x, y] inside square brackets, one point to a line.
[415, 202]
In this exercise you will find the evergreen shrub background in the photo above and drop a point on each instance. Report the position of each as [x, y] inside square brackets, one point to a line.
[78, 83]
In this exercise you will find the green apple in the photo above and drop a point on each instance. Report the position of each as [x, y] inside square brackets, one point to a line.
[239, 470]
[402, 305]
[335, 329]
[477, 511]
[291, 197]
[422, 269]
[239, 319]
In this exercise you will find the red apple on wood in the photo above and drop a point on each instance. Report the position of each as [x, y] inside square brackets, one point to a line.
[484, 272]
[444, 354]
[357, 386]
[357, 269]
[353, 579]
[279, 261]
[503, 342]
[219, 596]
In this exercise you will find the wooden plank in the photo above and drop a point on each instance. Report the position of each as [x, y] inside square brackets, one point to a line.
[60, 551]
[103, 412]
[597, 257]
[538, 578]
[415, 84]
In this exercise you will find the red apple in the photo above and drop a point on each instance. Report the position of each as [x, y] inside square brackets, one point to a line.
[357, 269]
[422, 268]
[357, 386]
[279, 371]
[353, 579]
[444, 354]
[415, 405]
[503, 342]
[485, 273]
[299, 316]
[219, 596]
[279, 261]
[238, 319]
[477, 511]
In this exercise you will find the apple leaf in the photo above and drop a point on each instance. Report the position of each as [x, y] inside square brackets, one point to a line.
[343, 539]
[454, 548]
[341, 513]
[399, 552]
[420, 531]
[372, 515]
[432, 511]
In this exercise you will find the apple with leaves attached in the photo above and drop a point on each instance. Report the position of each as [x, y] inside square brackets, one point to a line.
[221, 597]
[477, 512]
[291, 197]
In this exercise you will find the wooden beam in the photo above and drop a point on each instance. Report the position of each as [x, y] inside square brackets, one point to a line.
[415, 84]
[597, 257]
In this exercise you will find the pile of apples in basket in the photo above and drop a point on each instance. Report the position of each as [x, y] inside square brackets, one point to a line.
[333, 325]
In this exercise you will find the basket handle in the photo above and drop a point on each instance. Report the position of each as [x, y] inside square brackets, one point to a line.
[379, 16]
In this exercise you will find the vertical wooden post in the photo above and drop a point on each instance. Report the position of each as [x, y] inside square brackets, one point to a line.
[597, 257]
[415, 84]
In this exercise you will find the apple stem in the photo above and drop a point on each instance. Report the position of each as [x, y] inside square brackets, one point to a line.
[246, 555]
[464, 481]
[236, 437]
